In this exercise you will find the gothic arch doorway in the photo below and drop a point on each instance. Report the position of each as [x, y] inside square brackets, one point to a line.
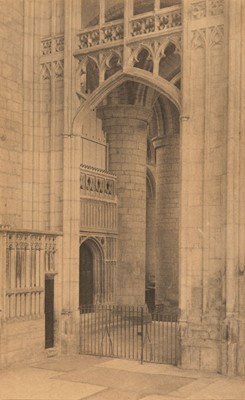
[90, 273]
[86, 275]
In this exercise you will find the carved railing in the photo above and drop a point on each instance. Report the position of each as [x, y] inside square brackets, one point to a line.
[167, 19]
[98, 200]
[97, 182]
[52, 45]
[111, 32]
[28, 256]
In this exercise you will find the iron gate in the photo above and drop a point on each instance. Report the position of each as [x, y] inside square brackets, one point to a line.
[129, 332]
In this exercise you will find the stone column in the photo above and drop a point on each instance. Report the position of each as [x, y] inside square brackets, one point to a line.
[71, 198]
[126, 128]
[167, 220]
[203, 178]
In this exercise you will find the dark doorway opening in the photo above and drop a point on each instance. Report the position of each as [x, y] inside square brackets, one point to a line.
[49, 312]
[150, 298]
[86, 275]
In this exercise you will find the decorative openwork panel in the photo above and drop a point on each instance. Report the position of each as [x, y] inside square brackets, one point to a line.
[52, 45]
[97, 183]
[111, 47]
[52, 58]
[28, 256]
[89, 39]
[95, 37]
[46, 47]
[59, 44]
[165, 20]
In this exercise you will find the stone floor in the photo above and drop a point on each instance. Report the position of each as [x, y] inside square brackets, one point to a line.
[85, 377]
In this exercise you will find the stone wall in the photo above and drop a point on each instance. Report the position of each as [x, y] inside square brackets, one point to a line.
[11, 105]
[22, 342]
[240, 76]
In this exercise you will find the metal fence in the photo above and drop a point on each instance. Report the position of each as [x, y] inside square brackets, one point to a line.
[129, 332]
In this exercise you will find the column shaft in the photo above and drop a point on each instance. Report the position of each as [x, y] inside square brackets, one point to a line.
[167, 220]
[126, 128]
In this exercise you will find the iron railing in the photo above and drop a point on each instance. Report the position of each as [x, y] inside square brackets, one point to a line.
[129, 332]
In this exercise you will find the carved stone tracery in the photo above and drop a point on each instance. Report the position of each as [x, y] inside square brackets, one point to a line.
[198, 9]
[59, 69]
[216, 7]
[46, 71]
[52, 45]
[112, 33]
[59, 44]
[160, 22]
[156, 49]
[216, 35]
[89, 39]
[100, 182]
[198, 39]
[28, 256]
[46, 47]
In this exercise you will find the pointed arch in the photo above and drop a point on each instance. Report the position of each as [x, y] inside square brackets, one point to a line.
[136, 52]
[91, 269]
[162, 86]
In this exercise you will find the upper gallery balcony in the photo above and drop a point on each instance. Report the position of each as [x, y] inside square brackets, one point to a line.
[117, 22]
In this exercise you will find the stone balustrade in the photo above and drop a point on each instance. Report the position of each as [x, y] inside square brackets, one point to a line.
[52, 45]
[97, 182]
[167, 19]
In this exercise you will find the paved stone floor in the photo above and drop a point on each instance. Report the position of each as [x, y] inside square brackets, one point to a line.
[84, 377]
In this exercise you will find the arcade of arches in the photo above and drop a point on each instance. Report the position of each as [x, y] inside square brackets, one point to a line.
[122, 168]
